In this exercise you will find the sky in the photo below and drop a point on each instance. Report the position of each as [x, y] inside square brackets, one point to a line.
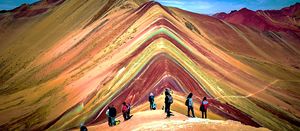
[11, 4]
[199, 6]
[216, 6]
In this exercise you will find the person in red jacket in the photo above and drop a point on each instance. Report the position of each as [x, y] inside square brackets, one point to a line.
[125, 111]
[203, 107]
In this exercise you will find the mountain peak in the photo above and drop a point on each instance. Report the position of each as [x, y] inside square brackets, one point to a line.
[274, 20]
[29, 10]
[245, 9]
[291, 10]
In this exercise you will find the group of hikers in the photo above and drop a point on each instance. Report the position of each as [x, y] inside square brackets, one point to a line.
[112, 112]
[188, 103]
[190, 106]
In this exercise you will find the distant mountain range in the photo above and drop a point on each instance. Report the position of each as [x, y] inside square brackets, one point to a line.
[286, 19]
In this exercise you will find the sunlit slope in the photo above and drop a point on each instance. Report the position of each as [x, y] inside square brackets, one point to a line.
[22, 40]
[58, 74]
[25, 41]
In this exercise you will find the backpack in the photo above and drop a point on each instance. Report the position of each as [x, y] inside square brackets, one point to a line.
[202, 107]
[187, 102]
[118, 122]
[170, 99]
[154, 106]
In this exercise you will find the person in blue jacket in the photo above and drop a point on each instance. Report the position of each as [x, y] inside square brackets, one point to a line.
[189, 104]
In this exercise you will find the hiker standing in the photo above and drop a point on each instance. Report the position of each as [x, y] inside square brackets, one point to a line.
[203, 107]
[112, 115]
[108, 117]
[151, 100]
[168, 102]
[189, 104]
[125, 111]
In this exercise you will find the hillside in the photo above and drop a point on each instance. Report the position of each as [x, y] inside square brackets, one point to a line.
[63, 66]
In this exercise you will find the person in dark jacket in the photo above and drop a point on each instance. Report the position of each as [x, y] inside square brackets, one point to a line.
[168, 102]
[83, 128]
[189, 104]
[151, 100]
[113, 114]
[203, 107]
[108, 117]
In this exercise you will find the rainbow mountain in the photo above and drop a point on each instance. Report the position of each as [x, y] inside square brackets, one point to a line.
[64, 61]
